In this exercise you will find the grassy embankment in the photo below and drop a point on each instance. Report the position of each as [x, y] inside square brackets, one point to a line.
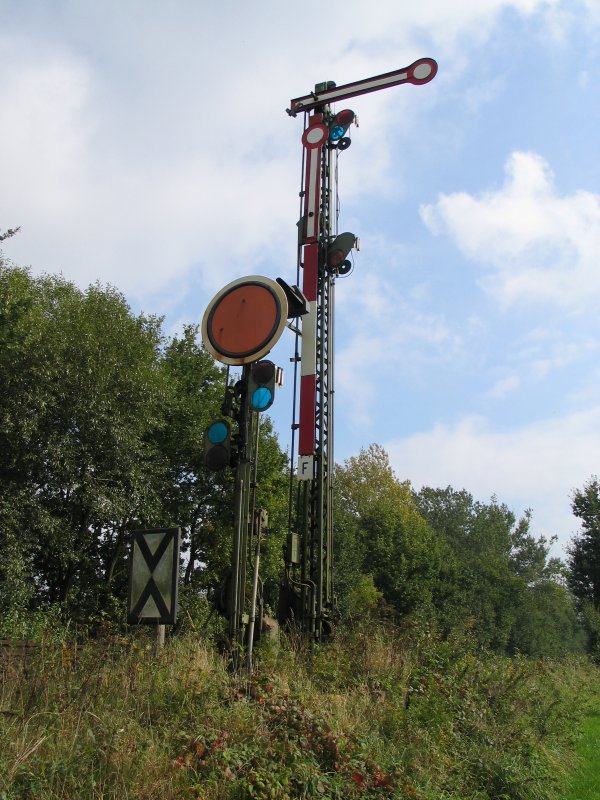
[585, 784]
[380, 714]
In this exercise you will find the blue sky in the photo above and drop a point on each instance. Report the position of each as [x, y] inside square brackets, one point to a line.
[146, 145]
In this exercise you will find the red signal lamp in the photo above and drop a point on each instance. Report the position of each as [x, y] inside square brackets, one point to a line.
[338, 250]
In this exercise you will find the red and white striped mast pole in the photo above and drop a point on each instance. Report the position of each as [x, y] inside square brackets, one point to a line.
[309, 559]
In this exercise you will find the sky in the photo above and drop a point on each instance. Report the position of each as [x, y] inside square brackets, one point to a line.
[145, 145]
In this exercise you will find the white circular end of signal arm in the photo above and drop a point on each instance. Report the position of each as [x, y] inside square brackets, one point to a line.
[314, 135]
[422, 71]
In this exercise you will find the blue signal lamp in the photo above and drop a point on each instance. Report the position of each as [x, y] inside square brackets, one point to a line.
[263, 378]
[261, 399]
[336, 132]
[217, 445]
[218, 432]
[340, 124]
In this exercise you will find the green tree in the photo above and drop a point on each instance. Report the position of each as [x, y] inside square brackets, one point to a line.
[547, 624]
[584, 559]
[101, 431]
[380, 536]
[198, 499]
[584, 549]
[192, 496]
[82, 394]
[486, 590]
[507, 585]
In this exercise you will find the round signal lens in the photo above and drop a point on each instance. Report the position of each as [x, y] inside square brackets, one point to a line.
[261, 398]
[345, 117]
[217, 432]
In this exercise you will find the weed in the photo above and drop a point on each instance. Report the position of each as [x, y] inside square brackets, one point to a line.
[377, 713]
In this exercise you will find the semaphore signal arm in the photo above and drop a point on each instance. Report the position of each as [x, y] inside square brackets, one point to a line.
[421, 71]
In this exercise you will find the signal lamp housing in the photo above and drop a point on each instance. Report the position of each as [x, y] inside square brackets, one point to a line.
[261, 385]
[338, 250]
[338, 127]
[217, 445]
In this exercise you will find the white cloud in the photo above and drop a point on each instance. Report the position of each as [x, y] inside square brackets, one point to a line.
[557, 351]
[504, 387]
[43, 132]
[533, 243]
[545, 355]
[144, 145]
[593, 10]
[385, 325]
[90, 207]
[534, 466]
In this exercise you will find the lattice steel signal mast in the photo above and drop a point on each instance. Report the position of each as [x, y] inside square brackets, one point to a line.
[307, 594]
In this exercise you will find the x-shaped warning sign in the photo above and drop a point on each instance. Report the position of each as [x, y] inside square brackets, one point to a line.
[154, 570]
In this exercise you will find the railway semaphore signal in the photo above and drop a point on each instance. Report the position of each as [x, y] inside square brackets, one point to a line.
[307, 593]
[242, 324]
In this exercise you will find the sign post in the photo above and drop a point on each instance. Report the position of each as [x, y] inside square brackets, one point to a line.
[241, 324]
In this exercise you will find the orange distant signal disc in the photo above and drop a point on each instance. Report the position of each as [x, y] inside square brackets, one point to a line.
[244, 320]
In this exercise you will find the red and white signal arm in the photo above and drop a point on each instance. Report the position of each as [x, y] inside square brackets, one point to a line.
[421, 71]
[245, 320]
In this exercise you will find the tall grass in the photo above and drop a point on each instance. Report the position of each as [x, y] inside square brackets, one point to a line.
[376, 713]
[585, 782]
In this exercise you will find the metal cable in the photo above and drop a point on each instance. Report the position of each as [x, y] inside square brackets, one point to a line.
[296, 341]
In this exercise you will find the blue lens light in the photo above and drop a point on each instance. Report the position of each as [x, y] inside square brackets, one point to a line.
[217, 432]
[261, 398]
[336, 132]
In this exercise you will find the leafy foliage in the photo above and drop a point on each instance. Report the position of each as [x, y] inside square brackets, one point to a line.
[440, 554]
[584, 553]
[378, 713]
[101, 427]
[584, 560]
[508, 587]
[8, 233]
[101, 432]
[381, 535]
[83, 392]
